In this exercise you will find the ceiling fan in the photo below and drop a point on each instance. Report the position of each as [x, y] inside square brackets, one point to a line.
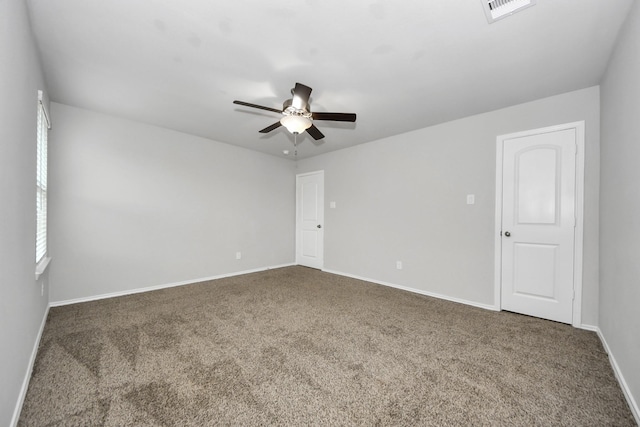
[297, 116]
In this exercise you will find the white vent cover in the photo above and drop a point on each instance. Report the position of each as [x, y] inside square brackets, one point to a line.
[498, 9]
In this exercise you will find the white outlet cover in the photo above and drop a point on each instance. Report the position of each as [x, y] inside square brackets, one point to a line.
[332, 205]
[471, 199]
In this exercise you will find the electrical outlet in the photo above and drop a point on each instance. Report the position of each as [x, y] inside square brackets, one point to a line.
[238, 255]
[399, 265]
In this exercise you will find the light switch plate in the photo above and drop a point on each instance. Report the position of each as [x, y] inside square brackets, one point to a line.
[471, 199]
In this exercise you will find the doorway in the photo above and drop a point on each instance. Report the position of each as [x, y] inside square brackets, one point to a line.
[310, 219]
[539, 210]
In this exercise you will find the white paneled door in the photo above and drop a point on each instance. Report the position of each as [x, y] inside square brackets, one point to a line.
[310, 219]
[538, 229]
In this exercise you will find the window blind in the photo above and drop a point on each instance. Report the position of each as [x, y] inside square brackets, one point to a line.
[43, 126]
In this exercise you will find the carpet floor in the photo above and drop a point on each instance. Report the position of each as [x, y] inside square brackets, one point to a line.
[296, 346]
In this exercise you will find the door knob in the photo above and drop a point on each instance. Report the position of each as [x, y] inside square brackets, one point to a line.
[319, 226]
[506, 233]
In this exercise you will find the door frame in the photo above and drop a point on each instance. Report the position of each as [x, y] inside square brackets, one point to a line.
[298, 219]
[579, 212]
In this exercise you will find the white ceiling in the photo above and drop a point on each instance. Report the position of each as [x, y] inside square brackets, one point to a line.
[400, 66]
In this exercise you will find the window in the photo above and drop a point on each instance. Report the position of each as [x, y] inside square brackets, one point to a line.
[41, 180]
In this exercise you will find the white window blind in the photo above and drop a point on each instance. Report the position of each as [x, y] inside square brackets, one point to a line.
[41, 180]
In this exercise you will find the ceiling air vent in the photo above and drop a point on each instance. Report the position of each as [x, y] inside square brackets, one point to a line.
[498, 9]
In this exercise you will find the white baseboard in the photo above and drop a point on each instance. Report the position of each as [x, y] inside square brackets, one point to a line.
[589, 328]
[158, 287]
[27, 376]
[633, 405]
[417, 291]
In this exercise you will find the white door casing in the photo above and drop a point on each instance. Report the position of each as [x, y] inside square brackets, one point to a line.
[539, 191]
[310, 219]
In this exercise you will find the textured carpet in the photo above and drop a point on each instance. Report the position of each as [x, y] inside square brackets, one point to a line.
[296, 346]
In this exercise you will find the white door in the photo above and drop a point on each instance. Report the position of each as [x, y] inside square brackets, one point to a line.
[538, 227]
[310, 219]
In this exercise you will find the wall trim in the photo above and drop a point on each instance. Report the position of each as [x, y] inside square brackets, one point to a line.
[633, 405]
[416, 291]
[27, 376]
[589, 328]
[164, 286]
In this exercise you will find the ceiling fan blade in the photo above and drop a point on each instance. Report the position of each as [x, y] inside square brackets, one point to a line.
[301, 94]
[336, 117]
[268, 129]
[315, 132]
[246, 104]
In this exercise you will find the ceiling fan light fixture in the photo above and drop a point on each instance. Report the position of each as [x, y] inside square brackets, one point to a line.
[296, 124]
[297, 115]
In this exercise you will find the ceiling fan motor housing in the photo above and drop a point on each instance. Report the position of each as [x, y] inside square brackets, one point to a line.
[289, 110]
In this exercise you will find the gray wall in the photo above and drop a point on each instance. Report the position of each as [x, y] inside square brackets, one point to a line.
[22, 308]
[134, 206]
[404, 198]
[620, 207]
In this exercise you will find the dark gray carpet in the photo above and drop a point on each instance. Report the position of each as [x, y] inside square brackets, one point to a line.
[295, 346]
